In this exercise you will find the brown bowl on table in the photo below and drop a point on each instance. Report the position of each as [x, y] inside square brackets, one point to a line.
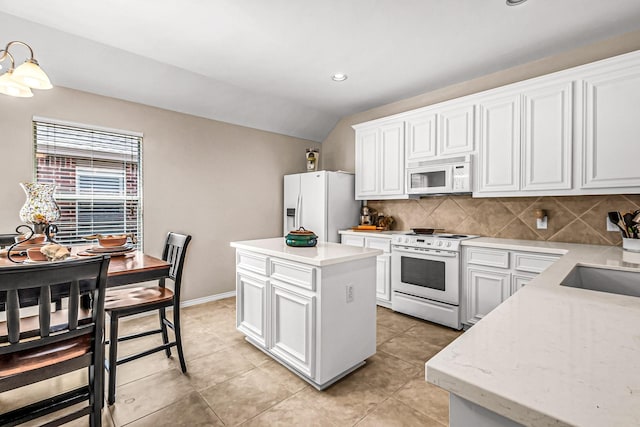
[36, 239]
[34, 254]
[112, 241]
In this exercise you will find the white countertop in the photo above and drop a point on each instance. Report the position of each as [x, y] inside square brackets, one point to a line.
[320, 255]
[552, 355]
[385, 234]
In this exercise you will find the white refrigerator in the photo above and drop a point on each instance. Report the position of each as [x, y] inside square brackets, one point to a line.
[323, 202]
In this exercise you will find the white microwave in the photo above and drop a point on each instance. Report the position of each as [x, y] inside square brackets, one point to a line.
[440, 176]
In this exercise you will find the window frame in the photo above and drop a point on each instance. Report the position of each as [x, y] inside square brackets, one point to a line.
[124, 196]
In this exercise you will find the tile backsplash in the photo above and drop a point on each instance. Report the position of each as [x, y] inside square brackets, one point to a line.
[572, 219]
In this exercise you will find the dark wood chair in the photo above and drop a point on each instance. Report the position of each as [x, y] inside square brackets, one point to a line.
[48, 345]
[126, 302]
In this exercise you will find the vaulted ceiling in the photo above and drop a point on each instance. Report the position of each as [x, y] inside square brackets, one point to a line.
[267, 64]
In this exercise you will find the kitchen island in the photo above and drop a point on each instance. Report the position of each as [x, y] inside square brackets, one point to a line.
[311, 309]
[550, 355]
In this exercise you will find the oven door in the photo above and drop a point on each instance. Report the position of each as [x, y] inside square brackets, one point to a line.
[426, 273]
[430, 179]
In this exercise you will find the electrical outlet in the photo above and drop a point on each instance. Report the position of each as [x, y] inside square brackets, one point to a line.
[349, 289]
[541, 223]
[611, 226]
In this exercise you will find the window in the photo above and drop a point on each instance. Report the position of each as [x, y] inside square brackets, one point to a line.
[98, 176]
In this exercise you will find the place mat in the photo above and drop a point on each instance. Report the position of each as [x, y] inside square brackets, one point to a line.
[30, 261]
[113, 254]
[110, 250]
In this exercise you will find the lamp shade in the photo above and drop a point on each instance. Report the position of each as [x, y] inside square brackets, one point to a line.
[10, 87]
[30, 74]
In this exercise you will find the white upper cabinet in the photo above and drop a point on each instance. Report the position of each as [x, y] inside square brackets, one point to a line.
[547, 137]
[456, 130]
[380, 161]
[574, 132]
[392, 159]
[440, 131]
[499, 165]
[421, 137]
[367, 163]
[612, 129]
[526, 141]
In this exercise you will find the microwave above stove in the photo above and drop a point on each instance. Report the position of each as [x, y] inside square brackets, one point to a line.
[441, 176]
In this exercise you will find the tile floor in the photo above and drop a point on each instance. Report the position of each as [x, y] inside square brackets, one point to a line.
[232, 383]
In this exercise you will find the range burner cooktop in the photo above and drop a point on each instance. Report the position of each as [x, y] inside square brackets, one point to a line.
[448, 242]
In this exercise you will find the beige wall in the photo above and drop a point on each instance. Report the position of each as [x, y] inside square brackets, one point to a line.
[216, 181]
[338, 148]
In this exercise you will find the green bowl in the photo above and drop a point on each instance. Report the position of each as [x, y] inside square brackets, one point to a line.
[302, 243]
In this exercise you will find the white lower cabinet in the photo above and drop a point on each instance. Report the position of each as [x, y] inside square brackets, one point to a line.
[519, 280]
[251, 300]
[320, 322]
[383, 262]
[487, 290]
[292, 326]
[383, 277]
[490, 276]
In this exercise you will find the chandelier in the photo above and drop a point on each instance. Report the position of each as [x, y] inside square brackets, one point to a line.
[19, 81]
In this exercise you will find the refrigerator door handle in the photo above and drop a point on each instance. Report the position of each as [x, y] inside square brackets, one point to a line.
[296, 222]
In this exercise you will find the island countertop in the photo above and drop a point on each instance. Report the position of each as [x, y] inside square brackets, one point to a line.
[324, 253]
[552, 355]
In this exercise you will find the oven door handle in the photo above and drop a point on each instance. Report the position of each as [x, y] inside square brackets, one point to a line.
[435, 252]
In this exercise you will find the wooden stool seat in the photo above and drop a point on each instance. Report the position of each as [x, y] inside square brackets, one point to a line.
[48, 355]
[133, 297]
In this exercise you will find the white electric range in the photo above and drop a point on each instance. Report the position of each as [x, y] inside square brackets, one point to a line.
[425, 278]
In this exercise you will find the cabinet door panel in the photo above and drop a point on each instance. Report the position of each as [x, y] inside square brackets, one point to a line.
[421, 137]
[251, 315]
[293, 327]
[547, 138]
[456, 130]
[366, 163]
[392, 159]
[499, 167]
[383, 277]
[611, 148]
[486, 290]
[518, 281]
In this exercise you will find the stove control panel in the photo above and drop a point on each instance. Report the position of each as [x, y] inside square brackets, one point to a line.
[449, 242]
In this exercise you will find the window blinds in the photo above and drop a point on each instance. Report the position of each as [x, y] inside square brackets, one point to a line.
[98, 177]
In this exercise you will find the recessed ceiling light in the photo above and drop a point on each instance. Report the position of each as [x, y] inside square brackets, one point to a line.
[339, 77]
[515, 2]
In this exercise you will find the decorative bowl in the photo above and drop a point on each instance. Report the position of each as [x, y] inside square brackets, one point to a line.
[36, 239]
[112, 241]
[34, 254]
[301, 238]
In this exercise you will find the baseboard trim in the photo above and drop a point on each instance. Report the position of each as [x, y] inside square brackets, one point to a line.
[206, 299]
[188, 303]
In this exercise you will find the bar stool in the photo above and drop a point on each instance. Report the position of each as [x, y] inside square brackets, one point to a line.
[127, 302]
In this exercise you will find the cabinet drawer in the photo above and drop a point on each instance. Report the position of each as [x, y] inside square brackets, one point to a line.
[347, 239]
[294, 274]
[488, 257]
[252, 262]
[378, 243]
[532, 263]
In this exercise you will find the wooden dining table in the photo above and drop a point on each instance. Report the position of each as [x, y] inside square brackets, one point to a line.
[134, 267]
